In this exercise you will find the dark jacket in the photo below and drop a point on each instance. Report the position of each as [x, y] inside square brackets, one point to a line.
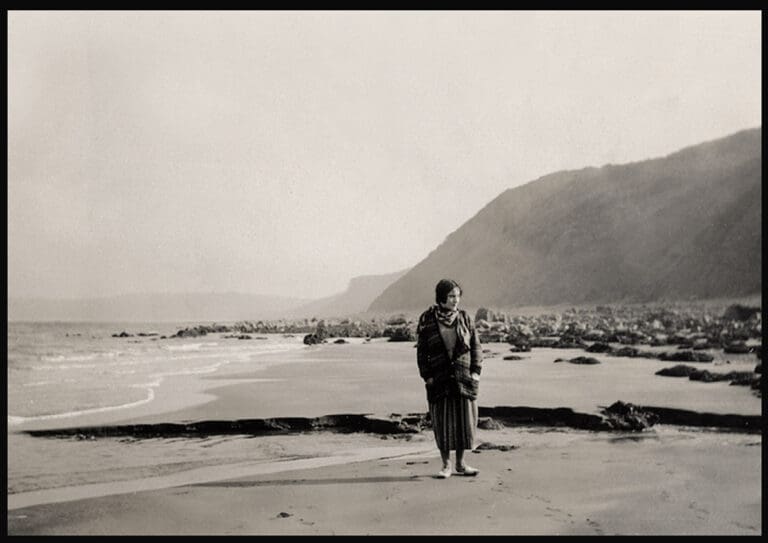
[452, 377]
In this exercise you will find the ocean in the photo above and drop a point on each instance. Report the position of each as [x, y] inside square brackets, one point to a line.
[60, 370]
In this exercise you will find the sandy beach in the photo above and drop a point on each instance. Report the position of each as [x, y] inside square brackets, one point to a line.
[667, 480]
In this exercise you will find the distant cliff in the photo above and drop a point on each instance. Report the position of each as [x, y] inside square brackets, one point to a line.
[685, 226]
[356, 299]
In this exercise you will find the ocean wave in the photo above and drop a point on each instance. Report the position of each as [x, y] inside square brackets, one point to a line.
[101, 365]
[156, 375]
[14, 420]
[79, 357]
[189, 346]
[43, 383]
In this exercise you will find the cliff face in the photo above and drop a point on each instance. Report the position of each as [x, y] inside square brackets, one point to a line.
[356, 299]
[685, 226]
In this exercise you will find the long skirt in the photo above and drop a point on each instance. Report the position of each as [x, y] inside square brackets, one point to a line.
[454, 421]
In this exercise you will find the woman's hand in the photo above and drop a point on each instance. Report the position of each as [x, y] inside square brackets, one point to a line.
[475, 376]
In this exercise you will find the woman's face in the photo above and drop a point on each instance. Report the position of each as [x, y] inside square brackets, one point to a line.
[452, 300]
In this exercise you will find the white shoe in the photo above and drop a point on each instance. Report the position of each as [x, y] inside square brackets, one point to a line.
[444, 473]
[466, 470]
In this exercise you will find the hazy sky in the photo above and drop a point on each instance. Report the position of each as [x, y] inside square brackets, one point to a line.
[284, 153]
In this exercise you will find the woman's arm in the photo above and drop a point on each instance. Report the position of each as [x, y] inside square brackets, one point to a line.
[422, 356]
[475, 350]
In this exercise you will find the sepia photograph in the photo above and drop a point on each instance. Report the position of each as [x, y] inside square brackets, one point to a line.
[350, 272]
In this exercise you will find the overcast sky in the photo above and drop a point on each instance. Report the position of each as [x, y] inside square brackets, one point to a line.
[285, 153]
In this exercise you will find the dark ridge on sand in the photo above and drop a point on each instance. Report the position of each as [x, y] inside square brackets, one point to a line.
[682, 417]
[618, 417]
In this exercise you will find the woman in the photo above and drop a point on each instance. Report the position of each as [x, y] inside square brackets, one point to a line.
[450, 359]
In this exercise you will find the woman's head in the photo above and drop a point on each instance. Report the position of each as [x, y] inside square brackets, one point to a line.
[447, 293]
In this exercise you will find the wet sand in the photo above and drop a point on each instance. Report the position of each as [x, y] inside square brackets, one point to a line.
[554, 482]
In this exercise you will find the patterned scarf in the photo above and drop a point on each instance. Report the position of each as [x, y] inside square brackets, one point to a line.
[448, 317]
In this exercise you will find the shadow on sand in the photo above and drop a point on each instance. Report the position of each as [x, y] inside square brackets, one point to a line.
[331, 481]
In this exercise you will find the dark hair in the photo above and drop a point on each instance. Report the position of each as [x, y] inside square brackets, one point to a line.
[444, 288]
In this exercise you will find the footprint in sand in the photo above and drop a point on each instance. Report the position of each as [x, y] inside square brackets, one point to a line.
[744, 526]
[595, 526]
[695, 508]
[539, 498]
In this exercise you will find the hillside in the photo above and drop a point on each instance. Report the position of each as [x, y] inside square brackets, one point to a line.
[682, 227]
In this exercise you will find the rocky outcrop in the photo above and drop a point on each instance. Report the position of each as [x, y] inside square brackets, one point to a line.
[631, 418]
[682, 417]
[599, 347]
[488, 446]
[618, 417]
[738, 347]
[313, 339]
[487, 423]
[632, 352]
[687, 356]
[681, 370]
[586, 360]
[740, 312]
[394, 425]
[696, 374]
[400, 333]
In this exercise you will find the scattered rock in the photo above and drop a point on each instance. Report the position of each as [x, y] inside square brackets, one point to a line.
[341, 341]
[122, 334]
[584, 360]
[742, 378]
[569, 343]
[686, 356]
[312, 339]
[737, 347]
[625, 416]
[740, 312]
[283, 514]
[705, 376]
[599, 347]
[681, 370]
[400, 333]
[513, 357]
[488, 423]
[544, 342]
[487, 446]
[579, 360]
